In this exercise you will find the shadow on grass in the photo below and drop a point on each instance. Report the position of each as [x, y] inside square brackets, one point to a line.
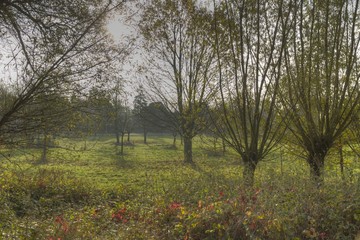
[195, 166]
[170, 147]
[123, 163]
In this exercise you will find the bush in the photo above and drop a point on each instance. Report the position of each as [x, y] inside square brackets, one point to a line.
[272, 211]
[45, 192]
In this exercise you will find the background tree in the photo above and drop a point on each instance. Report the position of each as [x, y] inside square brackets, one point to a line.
[321, 85]
[89, 114]
[122, 122]
[250, 40]
[54, 113]
[121, 113]
[7, 97]
[179, 60]
[129, 128]
[162, 119]
[140, 110]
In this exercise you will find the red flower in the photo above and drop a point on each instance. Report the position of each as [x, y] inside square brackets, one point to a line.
[64, 226]
[119, 216]
[175, 205]
[59, 219]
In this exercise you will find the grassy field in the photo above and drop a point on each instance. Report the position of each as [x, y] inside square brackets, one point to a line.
[88, 191]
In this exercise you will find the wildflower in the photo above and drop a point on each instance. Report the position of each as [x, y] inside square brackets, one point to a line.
[175, 205]
[119, 216]
[63, 224]
[59, 219]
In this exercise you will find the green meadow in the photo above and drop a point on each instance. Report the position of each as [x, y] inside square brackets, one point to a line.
[87, 190]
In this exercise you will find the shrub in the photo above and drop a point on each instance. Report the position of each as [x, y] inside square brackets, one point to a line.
[272, 211]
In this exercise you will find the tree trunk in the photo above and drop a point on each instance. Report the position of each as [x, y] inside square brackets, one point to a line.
[122, 143]
[44, 152]
[117, 138]
[188, 150]
[341, 162]
[223, 147]
[128, 136]
[174, 139]
[145, 136]
[316, 162]
[249, 173]
[117, 135]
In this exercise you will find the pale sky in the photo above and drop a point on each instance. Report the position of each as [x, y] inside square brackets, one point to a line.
[118, 29]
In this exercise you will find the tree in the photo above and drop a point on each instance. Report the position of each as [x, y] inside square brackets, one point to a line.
[54, 113]
[122, 122]
[99, 109]
[161, 119]
[249, 41]
[321, 84]
[179, 61]
[121, 113]
[129, 128]
[53, 45]
[140, 110]
[6, 99]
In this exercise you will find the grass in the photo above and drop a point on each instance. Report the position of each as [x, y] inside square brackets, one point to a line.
[148, 193]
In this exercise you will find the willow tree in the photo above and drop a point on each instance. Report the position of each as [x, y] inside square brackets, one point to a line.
[321, 88]
[250, 41]
[179, 60]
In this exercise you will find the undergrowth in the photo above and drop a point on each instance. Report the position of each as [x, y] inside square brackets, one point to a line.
[145, 195]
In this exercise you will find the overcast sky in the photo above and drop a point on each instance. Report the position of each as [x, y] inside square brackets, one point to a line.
[120, 32]
[118, 29]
